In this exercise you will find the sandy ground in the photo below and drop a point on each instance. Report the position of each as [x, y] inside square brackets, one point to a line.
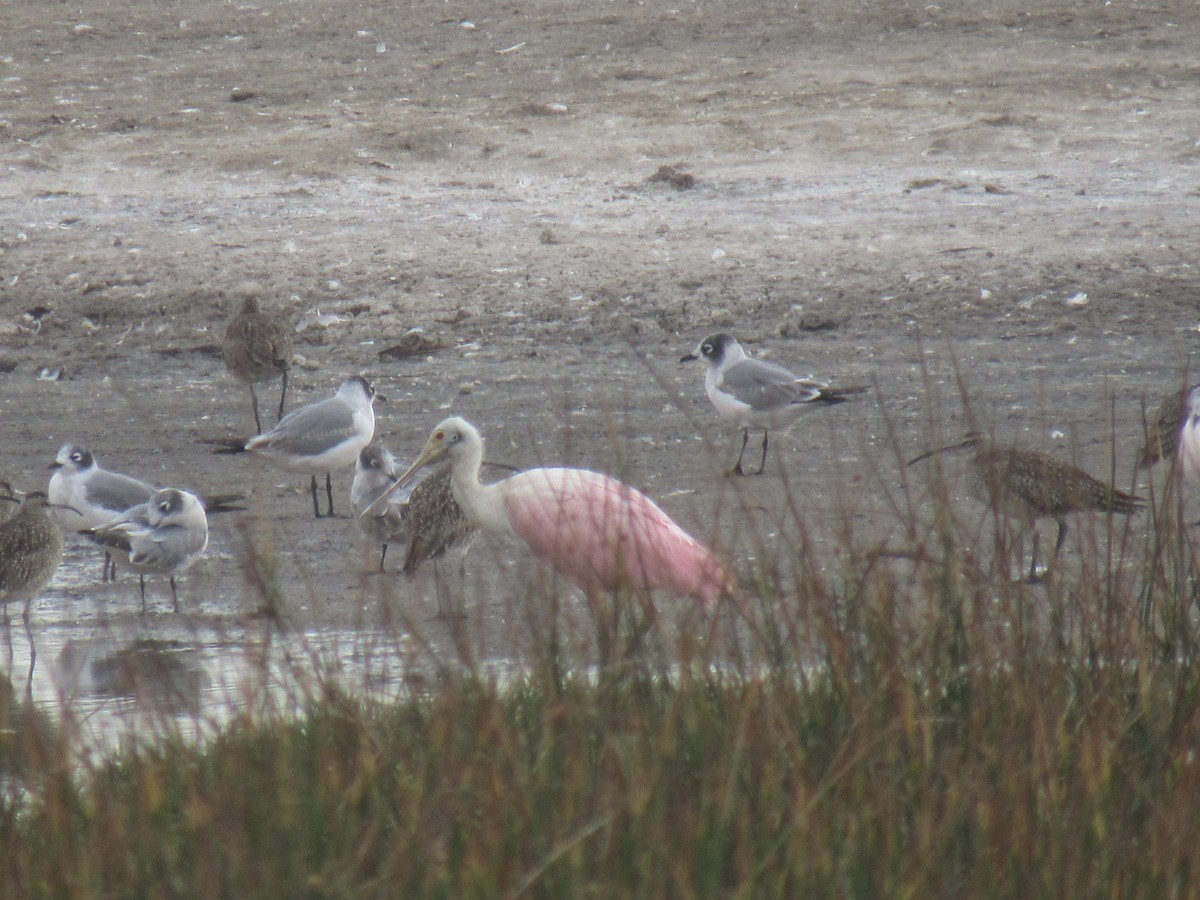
[876, 188]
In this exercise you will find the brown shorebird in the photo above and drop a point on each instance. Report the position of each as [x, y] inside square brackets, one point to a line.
[757, 394]
[1026, 485]
[435, 521]
[31, 547]
[427, 518]
[1163, 432]
[257, 349]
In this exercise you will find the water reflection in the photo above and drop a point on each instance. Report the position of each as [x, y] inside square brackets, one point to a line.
[166, 675]
[105, 689]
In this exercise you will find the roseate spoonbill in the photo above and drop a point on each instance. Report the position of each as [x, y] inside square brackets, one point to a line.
[600, 533]
[320, 437]
[162, 536]
[1026, 485]
[757, 394]
[258, 348]
[85, 495]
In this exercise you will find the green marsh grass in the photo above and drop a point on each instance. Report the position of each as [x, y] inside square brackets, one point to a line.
[896, 719]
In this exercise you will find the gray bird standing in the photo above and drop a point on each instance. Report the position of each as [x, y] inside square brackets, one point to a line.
[374, 472]
[757, 394]
[163, 536]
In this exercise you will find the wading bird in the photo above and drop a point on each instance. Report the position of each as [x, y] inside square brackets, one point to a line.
[435, 522]
[257, 349]
[163, 536]
[595, 530]
[31, 547]
[756, 394]
[1026, 485]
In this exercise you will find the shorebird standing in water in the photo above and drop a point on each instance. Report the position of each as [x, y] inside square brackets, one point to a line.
[757, 394]
[1026, 485]
[1175, 431]
[591, 528]
[257, 349]
[435, 521]
[425, 516]
[31, 547]
[163, 536]
[319, 437]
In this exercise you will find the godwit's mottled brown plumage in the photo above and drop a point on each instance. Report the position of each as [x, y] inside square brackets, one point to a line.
[1164, 429]
[31, 547]
[1027, 485]
[434, 521]
[257, 349]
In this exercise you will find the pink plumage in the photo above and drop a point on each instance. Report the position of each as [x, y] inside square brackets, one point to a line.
[593, 529]
[603, 534]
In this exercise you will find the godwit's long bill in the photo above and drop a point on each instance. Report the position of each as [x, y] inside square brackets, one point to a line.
[600, 533]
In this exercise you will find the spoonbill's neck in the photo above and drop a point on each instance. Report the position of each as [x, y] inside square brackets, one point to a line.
[482, 504]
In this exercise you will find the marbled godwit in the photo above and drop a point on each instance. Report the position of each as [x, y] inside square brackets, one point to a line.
[1026, 485]
[257, 349]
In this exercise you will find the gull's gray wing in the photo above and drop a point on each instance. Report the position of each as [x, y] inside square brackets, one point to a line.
[114, 491]
[765, 386]
[121, 531]
[309, 430]
[165, 548]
